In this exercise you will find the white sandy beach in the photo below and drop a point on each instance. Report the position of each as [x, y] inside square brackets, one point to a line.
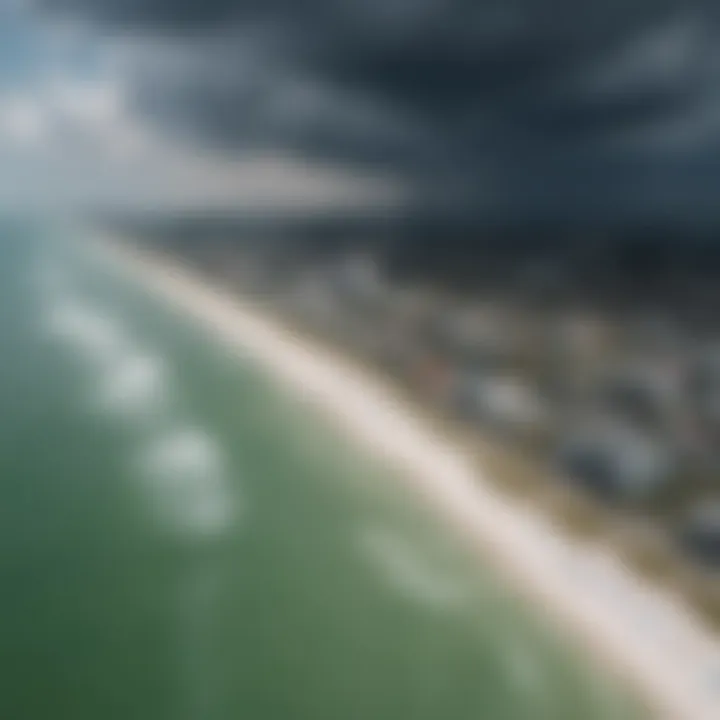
[648, 636]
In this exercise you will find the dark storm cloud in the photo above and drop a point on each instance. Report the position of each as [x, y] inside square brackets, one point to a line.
[535, 101]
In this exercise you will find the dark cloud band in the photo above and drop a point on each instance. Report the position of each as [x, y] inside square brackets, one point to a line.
[531, 102]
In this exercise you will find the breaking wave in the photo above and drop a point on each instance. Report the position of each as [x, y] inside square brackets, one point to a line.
[405, 570]
[135, 383]
[186, 473]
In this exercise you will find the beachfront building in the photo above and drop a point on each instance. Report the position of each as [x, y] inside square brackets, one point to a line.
[644, 393]
[700, 533]
[500, 402]
[615, 461]
[473, 336]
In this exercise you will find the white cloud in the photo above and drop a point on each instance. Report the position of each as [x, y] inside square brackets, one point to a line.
[94, 151]
[77, 115]
[261, 181]
[70, 141]
[22, 121]
[92, 103]
[96, 112]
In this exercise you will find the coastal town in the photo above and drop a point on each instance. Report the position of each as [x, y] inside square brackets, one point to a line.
[360, 359]
[592, 389]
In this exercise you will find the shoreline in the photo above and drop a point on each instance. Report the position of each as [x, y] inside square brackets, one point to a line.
[671, 659]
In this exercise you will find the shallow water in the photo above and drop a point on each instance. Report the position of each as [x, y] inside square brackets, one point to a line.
[181, 540]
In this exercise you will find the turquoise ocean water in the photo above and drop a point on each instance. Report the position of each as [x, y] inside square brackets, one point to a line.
[182, 540]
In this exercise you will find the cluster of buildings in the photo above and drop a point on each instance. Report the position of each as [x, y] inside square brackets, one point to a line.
[623, 404]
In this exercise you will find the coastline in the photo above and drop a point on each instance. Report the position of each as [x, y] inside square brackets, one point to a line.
[672, 660]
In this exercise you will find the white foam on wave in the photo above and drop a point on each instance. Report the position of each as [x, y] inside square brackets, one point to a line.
[126, 379]
[187, 450]
[133, 382]
[94, 334]
[402, 568]
[186, 473]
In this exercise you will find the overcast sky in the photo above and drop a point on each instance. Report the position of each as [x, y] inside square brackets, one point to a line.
[582, 108]
[70, 135]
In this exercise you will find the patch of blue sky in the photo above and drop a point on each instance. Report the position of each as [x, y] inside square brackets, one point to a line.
[32, 50]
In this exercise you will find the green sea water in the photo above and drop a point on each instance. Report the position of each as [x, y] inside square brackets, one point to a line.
[180, 539]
